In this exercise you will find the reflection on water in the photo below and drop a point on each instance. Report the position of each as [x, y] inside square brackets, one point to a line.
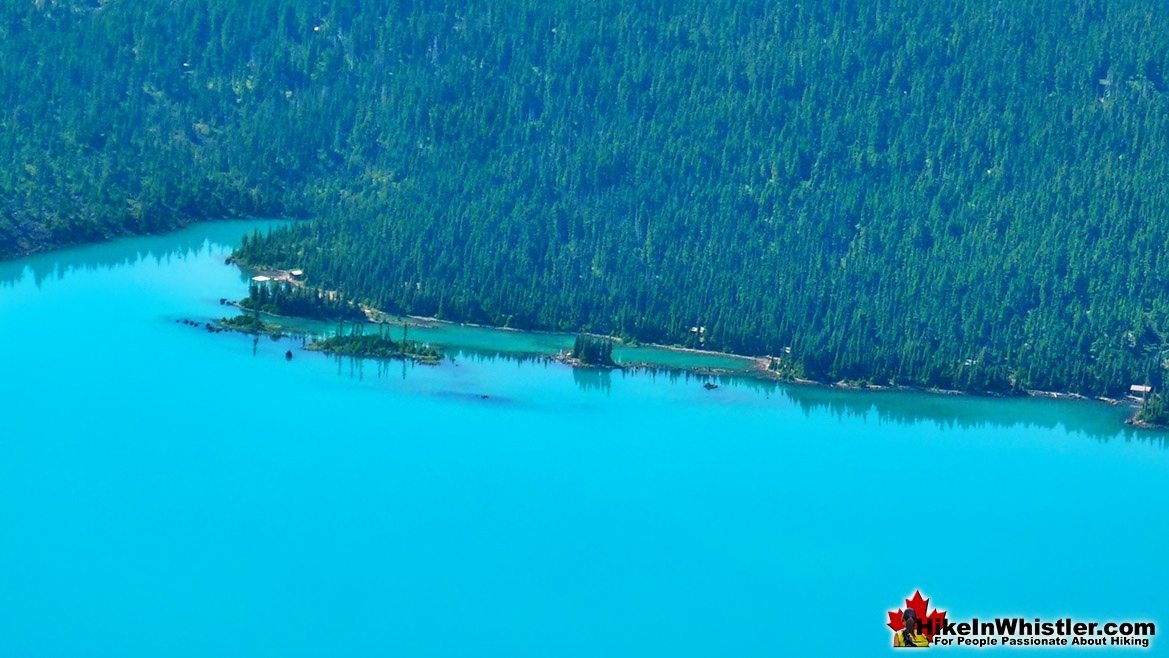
[359, 368]
[183, 244]
[455, 353]
[593, 379]
[1090, 418]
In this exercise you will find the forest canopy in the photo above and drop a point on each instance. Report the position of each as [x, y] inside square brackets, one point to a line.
[969, 195]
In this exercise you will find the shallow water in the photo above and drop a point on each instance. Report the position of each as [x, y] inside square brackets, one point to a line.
[166, 491]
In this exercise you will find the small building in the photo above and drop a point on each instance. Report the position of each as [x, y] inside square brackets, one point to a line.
[296, 274]
[261, 278]
[1139, 393]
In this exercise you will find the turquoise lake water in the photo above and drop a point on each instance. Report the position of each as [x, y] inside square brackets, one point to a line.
[169, 492]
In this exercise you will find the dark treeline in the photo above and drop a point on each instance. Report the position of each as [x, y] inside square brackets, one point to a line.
[284, 298]
[967, 195]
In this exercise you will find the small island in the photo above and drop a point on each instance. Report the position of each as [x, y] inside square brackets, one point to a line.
[377, 346]
[590, 351]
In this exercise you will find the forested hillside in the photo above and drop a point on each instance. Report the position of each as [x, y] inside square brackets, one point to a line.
[124, 117]
[969, 195]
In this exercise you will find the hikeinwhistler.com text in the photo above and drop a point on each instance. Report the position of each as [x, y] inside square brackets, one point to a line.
[1020, 632]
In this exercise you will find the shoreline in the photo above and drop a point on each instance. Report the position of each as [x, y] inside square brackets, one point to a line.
[756, 367]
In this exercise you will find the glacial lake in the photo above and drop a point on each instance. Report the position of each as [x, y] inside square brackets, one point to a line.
[165, 491]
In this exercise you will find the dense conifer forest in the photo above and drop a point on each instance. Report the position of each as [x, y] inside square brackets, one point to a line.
[284, 298]
[969, 195]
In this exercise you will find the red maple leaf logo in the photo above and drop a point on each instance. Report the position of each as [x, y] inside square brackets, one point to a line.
[930, 622]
